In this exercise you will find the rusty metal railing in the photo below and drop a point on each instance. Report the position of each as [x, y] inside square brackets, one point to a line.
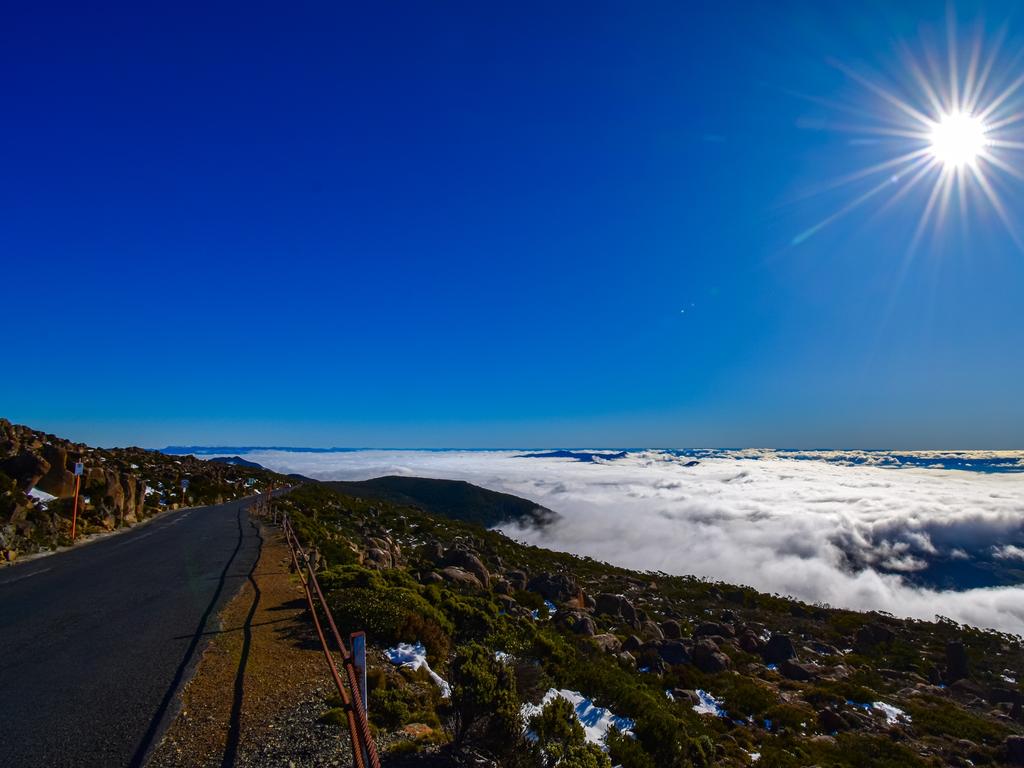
[363, 748]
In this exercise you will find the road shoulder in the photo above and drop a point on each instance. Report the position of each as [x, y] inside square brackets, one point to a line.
[260, 688]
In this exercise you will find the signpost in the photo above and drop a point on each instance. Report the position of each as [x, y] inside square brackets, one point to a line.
[79, 469]
[358, 645]
[184, 487]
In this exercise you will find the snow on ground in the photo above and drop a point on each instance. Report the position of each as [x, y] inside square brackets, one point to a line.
[893, 714]
[709, 705]
[42, 496]
[414, 657]
[595, 720]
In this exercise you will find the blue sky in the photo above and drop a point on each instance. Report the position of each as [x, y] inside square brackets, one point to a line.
[473, 224]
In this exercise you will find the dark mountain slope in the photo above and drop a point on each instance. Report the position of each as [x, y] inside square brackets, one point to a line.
[453, 499]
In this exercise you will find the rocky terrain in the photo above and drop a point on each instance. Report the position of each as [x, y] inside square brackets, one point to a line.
[119, 487]
[687, 671]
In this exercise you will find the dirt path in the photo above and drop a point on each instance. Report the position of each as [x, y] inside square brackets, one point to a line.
[261, 686]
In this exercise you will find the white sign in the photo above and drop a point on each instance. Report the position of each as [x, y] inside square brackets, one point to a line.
[79, 468]
[358, 640]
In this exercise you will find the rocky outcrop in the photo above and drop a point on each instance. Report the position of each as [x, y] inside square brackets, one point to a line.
[778, 649]
[556, 587]
[113, 487]
[469, 562]
[461, 578]
[619, 607]
[708, 658]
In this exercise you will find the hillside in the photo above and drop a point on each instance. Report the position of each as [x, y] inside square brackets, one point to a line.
[454, 499]
[694, 673]
[119, 487]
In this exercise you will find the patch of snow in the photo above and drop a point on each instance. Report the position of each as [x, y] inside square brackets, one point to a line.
[150, 491]
[669, 696]
[709, 705]
[414, 657]
[502, 657]
[595, 720]
[893, 714]
[42, 496]
[1008, 679]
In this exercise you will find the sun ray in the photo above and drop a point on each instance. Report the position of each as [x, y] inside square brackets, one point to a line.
[1002, 165]
[926, 215]
[896, 162]
[953, 125]
[889, 97]
[951, 56]
[926, 164]
[997, 204]
[986, 72]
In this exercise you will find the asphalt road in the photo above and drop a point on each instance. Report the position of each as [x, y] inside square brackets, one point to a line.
[96, 642]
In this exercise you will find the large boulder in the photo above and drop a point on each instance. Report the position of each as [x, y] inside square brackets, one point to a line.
[468, 561]
[585, 626]
[707, 657]
[715, 628]
[750, 642]
[651, 630]
[619, 607]
[794, 670]
[957, 666]
[1014, 747]
[674, 652]
[461, 578]
[556, 587]
[517, 579]
[607, 643]
[25, 468]
[831, 721]
[778, 649]
[672, 629]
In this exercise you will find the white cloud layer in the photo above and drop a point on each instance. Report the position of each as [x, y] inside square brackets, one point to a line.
[821, 530]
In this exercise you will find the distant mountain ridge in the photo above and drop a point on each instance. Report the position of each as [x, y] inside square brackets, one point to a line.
[454, 499]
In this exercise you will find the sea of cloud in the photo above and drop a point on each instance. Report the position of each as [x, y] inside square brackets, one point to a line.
[824, 530]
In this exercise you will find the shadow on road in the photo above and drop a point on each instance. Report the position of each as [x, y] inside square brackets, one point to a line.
[235, 727]
[142, 751]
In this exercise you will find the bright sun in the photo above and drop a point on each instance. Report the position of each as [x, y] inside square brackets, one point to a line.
[949, 124]
[958, 139]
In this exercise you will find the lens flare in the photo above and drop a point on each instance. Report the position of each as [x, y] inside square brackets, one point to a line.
[952, 127]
